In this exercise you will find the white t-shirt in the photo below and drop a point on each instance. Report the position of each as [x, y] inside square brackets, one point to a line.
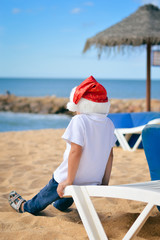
[95, 133]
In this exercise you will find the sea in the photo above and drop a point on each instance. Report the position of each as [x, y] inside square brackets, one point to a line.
[61, 87]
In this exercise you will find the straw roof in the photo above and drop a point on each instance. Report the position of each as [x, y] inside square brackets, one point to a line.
[141, 27]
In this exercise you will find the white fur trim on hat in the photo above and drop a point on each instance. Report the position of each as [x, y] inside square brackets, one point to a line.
[87, 106]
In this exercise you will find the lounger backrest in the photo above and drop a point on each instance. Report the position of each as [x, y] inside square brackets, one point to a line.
[129, 120]
[121, 120]
[151, 144]
[142, 118]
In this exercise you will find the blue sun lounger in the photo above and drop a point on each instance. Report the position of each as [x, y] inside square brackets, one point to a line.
[129, 126]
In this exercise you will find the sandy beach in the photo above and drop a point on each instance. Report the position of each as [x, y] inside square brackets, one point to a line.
[27, 161]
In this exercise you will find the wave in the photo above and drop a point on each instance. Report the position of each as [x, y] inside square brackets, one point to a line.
[10, 121]
[34, 115]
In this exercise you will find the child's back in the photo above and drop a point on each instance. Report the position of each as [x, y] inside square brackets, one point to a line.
[95, 133]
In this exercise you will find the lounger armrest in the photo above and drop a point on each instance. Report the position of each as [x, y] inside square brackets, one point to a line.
[154, 121]
[130, 130]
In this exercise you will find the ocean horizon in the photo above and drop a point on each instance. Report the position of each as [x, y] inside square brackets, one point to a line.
[61, 87]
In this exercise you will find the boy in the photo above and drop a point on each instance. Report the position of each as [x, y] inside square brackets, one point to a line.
[88, 156]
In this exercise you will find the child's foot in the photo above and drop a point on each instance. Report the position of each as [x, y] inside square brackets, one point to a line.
[16, 201]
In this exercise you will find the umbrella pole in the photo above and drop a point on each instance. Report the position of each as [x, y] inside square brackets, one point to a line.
[148, 83]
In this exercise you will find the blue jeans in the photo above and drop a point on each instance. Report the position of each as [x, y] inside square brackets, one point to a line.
[46, 196]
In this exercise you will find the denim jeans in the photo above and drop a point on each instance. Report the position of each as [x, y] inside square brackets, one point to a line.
[46, 196]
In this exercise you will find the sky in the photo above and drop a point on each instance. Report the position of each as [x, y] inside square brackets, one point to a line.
[45, 38]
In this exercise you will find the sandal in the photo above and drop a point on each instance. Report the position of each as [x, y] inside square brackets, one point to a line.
[15, 201]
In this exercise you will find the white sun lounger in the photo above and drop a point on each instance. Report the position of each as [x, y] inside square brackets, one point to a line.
[123, 135]
[148, 192]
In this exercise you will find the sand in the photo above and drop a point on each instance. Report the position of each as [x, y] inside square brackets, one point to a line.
[27, 161]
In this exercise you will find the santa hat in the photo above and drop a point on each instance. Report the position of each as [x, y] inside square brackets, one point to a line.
[89, 97]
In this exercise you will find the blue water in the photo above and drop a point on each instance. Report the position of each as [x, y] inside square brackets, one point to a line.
[27, 121]
[61, 88]
[116, 88]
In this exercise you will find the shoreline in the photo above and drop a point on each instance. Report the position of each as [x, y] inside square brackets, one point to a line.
[56, 105]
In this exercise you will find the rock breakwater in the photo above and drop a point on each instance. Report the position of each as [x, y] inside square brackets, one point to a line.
[43, 105]
[53, 104]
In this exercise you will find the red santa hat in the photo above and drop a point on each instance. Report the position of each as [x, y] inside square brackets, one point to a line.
[89, 97]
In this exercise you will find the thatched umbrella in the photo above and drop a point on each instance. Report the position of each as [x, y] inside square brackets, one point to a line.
[142, 27]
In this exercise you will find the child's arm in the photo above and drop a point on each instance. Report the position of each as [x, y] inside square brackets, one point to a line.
[73, 163]
[108, 169]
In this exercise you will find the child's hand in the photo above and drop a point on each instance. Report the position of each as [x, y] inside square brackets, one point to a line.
[61, 187]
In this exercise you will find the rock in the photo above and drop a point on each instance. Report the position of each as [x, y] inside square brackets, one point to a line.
[55, 105]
